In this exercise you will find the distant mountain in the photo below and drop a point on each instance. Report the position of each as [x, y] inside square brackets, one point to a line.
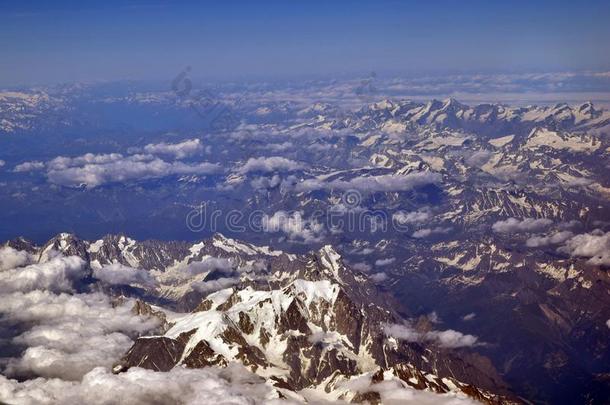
[484, 118]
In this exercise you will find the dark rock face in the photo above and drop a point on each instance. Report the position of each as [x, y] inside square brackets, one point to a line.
[536, 322]
[159, 354]
[22, 244]
[202, 355]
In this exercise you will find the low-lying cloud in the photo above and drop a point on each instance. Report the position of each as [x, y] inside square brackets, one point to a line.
[96, 170]
[231, 385]
[385, 182]
[385, 262]
[447, 338]
[594, 245]
[28, 166]
[118, 274]
[378, 277]
[394, 391]
[294, 226]
[554, 239]
[65, 334]
[56, 275]
[412, 218]
[269, 164]
[11, 258]
[425, 232]
[210, 286]
[177, 150]
[514, 225]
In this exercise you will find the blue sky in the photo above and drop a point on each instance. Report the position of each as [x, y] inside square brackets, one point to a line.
[63, 41]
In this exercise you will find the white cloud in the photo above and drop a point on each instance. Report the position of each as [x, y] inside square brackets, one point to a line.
[321, 147]
[263, 183]
[594, 245]
[386, 182]
[226, 273]
[294, 226]
[578, 182]
[365, 251]
[378, 277]
[2, 163]
[71, 334]
[433, 317]
[384, 262]
[65, 335]
[554, 239]
[28, 166]
[96, 170]
[361, 267]
[328, 338]
[62, 162]
[479, 158]
[208, 264]
[469, 317]
[447, 338]
[210, 286]
[269, 164]
[425, 232]
[118, 274]
[11, 258]
[394, 391]
[178, 150]
[512, 225]
[280, 147]
[397, 393]
[414, 217]
[55, 275]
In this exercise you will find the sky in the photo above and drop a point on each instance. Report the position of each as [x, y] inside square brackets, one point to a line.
[67, 41]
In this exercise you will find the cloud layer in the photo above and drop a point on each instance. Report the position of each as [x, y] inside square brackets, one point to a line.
[234, 385]
[56, 275]
[72, 339]
[42, 298]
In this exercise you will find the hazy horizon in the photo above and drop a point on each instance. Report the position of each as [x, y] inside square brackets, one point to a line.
[67, 42]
